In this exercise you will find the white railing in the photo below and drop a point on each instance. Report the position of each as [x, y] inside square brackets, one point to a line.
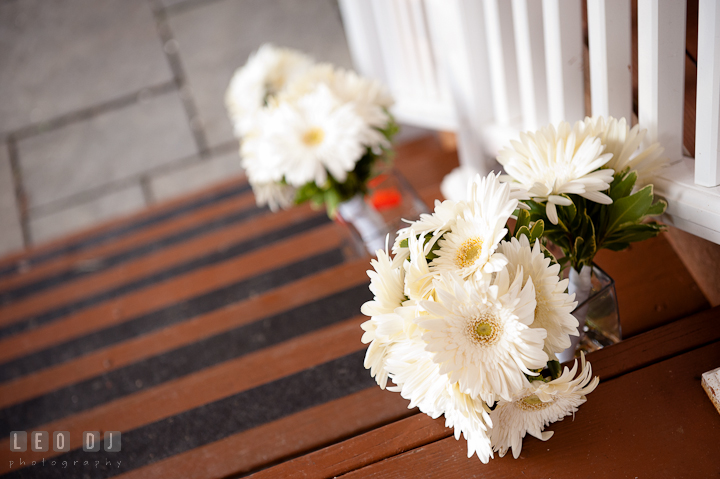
[489, 68]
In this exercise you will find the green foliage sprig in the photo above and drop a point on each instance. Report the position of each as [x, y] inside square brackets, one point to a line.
[586, 227]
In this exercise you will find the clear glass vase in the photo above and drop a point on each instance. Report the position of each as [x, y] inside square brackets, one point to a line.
[596, 312]
[370, 218]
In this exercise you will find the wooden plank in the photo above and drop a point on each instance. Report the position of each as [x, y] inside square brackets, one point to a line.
[244, 312]
[287, 437]
[123, 308]
[340, 458]
[206, 386]
[145, 236]
[653, 285]
[424, 162]
[626, 429]
[13, 259]
[657, 345]
[144, 266]
[630, 355]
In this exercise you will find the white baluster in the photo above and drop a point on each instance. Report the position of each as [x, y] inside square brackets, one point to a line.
[661, 72]
[413, 76]
[707, 129]
[609, 32]
[458, 38]
[530, 53]
[423, 49]
[390, 46]
[501, 57]
[362, 38]
[562, 27]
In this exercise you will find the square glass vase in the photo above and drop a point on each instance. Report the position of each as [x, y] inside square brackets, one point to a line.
[369, 219]
[598, 316]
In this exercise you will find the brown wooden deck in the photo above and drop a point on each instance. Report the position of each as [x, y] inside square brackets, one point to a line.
[223, 340]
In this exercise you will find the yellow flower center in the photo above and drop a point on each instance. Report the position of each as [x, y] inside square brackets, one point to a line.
[313, 137]
[468, 252]
[532, 403]
[485, 330]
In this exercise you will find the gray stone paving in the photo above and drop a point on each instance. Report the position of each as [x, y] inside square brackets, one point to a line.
[109, 106]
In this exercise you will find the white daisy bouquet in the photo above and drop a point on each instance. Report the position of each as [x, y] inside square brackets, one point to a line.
[589, 184]
[586, 187]
[467, 319]
[308, 131]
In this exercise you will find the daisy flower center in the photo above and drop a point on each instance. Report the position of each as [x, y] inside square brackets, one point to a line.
[485, 330]
[314, 136]
[468, 252]
[532, 403]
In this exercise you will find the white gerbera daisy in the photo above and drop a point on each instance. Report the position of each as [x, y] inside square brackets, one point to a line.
[266, 73]
[539, 405]
[369, 98]
[480, 334]
[624, 144]
[384, 326]
[441, 220]
[470, 246]
[550, 162]
[472, 228]
[418, 379]
[309, 139]
[554, 306]
[275, 195]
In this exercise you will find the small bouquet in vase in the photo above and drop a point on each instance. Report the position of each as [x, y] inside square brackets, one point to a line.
[470, 314]
[589, 186]
[467, 319]
[309, 131]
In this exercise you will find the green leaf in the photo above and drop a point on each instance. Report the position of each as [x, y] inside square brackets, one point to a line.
[523, 230]
[539, 377]
[657, 209]
[536, 231]
[523, 219]
[622, 185]
[404, 243]
[332, 200]
[436, 246]
[568, 212]
[306, 192]
[537, 210]
[616, 246]
[578, 244]
[629, 209]
[589, 247]
[555, 369]
[635, 233]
